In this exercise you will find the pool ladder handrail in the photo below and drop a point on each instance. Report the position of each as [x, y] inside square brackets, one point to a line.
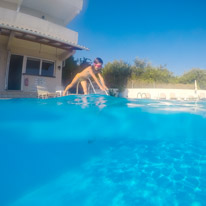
[77, 91]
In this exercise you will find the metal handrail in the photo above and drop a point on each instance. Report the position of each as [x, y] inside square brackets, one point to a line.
[92, 85]
[77, 91]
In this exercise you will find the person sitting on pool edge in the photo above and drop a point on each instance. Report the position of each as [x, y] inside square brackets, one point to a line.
[89, 71]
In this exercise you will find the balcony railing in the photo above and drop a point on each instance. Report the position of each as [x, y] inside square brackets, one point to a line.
[33, 24]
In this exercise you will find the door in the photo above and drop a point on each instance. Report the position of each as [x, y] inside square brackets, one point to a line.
[15, 72]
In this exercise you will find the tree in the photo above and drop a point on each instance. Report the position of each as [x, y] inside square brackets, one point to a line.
[157, 75]
[69, 70]
[142, 64]
[72, 67]
[142, 70]
[84, 62]
[192, 75]
[116, 74]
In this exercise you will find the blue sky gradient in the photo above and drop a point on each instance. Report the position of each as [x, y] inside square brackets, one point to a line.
[171, 33]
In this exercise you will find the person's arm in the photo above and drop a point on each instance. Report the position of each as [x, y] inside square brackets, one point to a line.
[102, 81]
[95, 79]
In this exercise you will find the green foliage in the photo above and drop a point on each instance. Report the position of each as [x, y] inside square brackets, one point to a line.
[192, 75]
[116, 74]
[139, 68]
[69, 70]
[136, 72]
[157, 75]
[72, 67]
[142, 64]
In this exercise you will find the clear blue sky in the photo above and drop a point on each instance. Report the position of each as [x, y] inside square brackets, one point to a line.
[171, 32]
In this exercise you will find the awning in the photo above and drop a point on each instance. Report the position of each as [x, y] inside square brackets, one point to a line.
[38, 37]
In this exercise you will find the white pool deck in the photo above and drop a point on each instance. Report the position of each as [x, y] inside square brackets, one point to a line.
[133, 93]
[167, 94]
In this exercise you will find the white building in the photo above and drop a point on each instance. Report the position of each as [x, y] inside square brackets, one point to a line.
[34, 41]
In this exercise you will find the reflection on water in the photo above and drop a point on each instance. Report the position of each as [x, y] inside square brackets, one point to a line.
[99, 150]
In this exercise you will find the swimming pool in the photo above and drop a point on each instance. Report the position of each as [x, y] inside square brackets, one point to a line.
[99, 150]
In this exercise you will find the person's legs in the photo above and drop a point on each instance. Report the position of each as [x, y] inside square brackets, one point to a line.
[74, 81]
[84, 86]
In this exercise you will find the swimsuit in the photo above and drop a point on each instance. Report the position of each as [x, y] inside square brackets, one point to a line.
[81, 78]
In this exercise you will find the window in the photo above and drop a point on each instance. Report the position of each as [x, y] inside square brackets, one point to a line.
[32, 66]
[47, 68]
[39, 67]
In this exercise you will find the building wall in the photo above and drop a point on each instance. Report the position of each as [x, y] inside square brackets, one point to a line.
[3, 62]
[37, 19]
[49, 84]
[31, 49]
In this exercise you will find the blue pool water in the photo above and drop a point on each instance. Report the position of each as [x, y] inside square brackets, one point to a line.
[97, 150]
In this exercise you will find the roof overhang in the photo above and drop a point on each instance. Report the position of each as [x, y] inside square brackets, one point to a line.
[35, 36]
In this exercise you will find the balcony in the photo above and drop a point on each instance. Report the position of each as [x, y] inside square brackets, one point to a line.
[60, 12]
[22, 22]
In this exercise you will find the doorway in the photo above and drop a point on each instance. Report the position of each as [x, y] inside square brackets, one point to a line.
[15, 72]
